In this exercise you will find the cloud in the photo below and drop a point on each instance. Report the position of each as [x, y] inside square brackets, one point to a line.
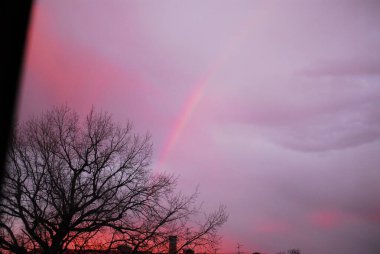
[287, 130]
[359, 65]
[334, 131]
[58, 70]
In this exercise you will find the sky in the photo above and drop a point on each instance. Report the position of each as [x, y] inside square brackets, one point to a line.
[272, 108]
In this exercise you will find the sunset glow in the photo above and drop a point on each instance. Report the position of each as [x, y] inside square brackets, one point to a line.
[270, 107]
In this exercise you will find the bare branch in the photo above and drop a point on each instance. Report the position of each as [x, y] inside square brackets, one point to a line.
[73, 184]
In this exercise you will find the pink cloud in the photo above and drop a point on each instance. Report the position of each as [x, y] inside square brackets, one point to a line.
[326, 219]
[287, 125]
[75, 74]
[329, 219]
[272, 227]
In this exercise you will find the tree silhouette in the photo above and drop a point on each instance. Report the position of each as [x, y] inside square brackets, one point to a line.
[75, 184]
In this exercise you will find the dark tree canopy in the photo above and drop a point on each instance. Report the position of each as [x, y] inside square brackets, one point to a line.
[75, 184]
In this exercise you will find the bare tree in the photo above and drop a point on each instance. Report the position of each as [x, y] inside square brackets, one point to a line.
[294, 251]
[75, 184]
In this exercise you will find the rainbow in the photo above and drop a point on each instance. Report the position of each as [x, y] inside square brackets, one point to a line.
[198, 90]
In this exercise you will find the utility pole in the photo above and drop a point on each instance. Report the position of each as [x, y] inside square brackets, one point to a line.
[238, 247]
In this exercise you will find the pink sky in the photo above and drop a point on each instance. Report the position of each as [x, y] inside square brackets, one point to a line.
[271, 107]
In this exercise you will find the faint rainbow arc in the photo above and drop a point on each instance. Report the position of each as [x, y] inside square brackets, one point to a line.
[198, 91]
[185, 114]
